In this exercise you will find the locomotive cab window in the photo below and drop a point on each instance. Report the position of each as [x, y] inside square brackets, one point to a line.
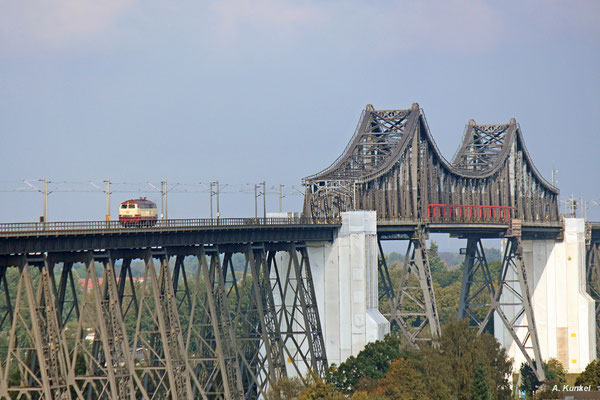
[123, 205]
[132, 206]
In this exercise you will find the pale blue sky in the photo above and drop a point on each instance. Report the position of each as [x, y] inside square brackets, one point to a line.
[247, 90]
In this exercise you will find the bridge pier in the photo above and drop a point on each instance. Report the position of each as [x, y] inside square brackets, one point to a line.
[344, 273]
[412, 306]
[193, 326]
[564, 312]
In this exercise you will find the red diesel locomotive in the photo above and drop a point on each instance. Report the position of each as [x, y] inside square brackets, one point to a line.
[138, 212]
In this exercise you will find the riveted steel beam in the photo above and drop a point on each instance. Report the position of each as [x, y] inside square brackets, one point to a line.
[477, 288]
[512, 304]
[412, 305]
[593, 283]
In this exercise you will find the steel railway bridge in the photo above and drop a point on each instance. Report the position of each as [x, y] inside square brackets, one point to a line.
[200, 325]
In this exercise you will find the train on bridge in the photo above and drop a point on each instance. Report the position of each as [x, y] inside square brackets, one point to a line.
[138, 212]
[205, 330]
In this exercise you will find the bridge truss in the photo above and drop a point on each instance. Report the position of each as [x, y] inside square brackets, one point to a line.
[393, 166]
[195, 325]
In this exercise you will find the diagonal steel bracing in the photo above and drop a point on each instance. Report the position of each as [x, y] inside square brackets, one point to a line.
[36, 359]
[158, 341]
[84, 325]
[593, 284]
[412, 305]
[393, 166]
[477, 289]
[508, 297]
[210, 340]
[297, 313]
[101, 363]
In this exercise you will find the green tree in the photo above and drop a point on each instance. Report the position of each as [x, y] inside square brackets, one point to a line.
[402, 382]
[285, 389]
[320, 390]
[480, 388]
[590, 376]
[449, 370]
[372, 362]
[556, 376]
[446, 299]
[435, 262]
[529, 382]
[555, 372]
[362, 395]
[394, 257]
[492, 254]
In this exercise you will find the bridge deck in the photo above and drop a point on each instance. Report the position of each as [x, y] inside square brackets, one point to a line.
[595, 231]
[496, 229]
[18, 238]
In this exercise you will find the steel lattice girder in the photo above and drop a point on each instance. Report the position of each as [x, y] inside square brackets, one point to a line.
[296, 304]
[593, 283]
[412, 308]
[477, 288]
[170, 334]
[40, 354]
[517, 314]
[482, 146]
[397, 170]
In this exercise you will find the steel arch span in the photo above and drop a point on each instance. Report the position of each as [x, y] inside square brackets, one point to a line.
[393, 166]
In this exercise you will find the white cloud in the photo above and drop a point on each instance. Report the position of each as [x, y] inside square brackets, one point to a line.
[54, 24]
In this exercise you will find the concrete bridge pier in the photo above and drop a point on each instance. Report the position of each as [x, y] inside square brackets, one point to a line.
[345, 279]
[564, 311]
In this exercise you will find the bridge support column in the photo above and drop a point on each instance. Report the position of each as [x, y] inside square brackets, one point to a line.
[513, 307]
[345, 281]
[260, 345]
[109, 367]
[552, 274]
[210, 339]
[297, 311]
[593, 284]
[477, 289]
[164, 369]
[269, 352]
[412, 305]
[510, 302]
[39, 354]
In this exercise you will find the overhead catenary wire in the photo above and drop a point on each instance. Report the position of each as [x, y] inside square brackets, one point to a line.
[142, 188]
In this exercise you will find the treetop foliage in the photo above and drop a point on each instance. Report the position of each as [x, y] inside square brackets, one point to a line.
[388, 369]
[591, 375]
[372, 363]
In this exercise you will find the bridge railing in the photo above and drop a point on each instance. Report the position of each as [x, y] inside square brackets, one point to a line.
[169, 224]
[469, 213]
